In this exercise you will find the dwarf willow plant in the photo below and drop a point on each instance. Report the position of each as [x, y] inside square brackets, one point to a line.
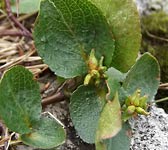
[98, 40]
[20, 109]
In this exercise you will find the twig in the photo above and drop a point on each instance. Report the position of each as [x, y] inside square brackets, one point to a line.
[163, 85]
[12, 143]
[58, 97]
[13, 33]
[29, 59]
[21, 18]
[52, 116]
[63, 92]
[160, 100]
[15, 21]
[156, 37]
[37, 66]
[9, 141]
[2, 16]
[16, 61]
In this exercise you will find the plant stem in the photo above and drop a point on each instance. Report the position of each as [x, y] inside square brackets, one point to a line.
[160, 100]
[63, 92]
[12, 33]
[58, 97]
[15, 21]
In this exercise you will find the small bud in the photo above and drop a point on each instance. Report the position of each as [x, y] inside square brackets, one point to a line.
[101, 62]
[128, 101]
[136, 102]
[143, 102]
[135, 96]
[87, 79]
[131, 109]
[95, 74]
[93, 63]
[141, 111]
[124, 107]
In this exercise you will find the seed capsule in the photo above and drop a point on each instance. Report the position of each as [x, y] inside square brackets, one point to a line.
[101, 62]
[93, 63]
[128, 101]
[95, 74]
[136, 102]
[131, 109]
[135, 96]
[141, 111]
[143, 102]
[87, 79]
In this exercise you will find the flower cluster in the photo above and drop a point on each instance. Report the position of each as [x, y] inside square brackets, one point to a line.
[135, 104]
[96, 70]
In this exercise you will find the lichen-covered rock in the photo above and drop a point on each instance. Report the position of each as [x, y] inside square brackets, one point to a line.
[151, 132]
[157, 23]
[147, 7]
[154, 19]
[155, 39]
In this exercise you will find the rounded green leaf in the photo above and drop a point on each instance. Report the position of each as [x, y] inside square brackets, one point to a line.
[66, 31]
[47, 133]
[85, 109]
[110, 120]
[123, 18]
[121, 141]
[144, 75]
[113, 82]
[20, 101]
[25, 6]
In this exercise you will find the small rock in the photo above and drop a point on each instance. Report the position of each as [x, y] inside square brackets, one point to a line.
[151, 132]
[147, 7]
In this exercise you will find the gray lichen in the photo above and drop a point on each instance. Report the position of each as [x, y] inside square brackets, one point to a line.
[151, 132]
[147, 7]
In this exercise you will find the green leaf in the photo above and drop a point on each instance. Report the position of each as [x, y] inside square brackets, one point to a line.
[144, 75]
[85, 109]
[110, 120]
[121, 141]
[25, 6]
[124, 21]
[65, 33]
[20, 101]
[113, 82]
[47, 133]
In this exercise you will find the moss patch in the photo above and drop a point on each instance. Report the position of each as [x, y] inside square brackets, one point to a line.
[155, 39]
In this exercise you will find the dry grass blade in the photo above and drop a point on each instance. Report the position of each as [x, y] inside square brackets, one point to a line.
[163, 86]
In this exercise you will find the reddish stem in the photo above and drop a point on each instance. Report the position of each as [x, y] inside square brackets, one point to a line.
[12, 33]
[15, 21]
[58, 97]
